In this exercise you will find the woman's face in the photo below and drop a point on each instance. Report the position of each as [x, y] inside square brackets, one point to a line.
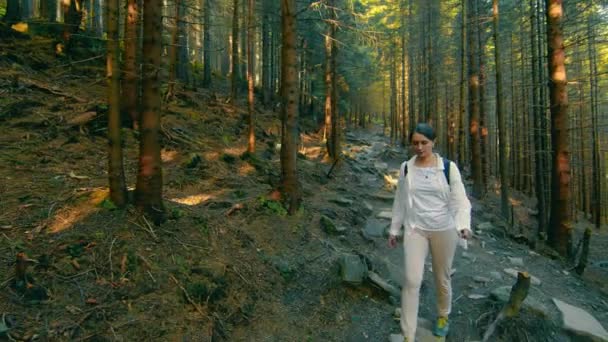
[422, 146]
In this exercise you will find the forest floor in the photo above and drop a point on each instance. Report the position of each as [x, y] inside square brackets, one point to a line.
[229, 264]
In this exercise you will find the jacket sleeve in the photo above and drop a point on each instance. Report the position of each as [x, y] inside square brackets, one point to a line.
[399, 206]
[459, 204]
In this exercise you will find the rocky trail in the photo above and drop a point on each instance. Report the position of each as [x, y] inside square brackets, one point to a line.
[560, 306]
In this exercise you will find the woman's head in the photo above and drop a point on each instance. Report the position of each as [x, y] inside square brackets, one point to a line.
[422, 139]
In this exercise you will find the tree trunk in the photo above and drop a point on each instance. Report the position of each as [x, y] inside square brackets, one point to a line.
[266, 62]
[329, 79]
[52, 10]
[483, 129]
[13, 12]
[560, 232]
[149, 179]
[206, 45]
[289, 109]
[596, 203]
[500, 115]
[474, 129]
[130, 84]
[183, 51]
[72, 21]
[463, 86]
[173, 52]
[537, 106]
[235, 76]
[118, 189]
[250, 76]
[404, 109]
[44, 9]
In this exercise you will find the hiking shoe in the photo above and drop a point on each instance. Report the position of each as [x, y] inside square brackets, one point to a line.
[442, 326]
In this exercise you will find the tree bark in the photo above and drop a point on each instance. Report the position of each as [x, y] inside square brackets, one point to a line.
[266, 62]
[474, 129]
[206, 45]
[235, 75]
[560, 232]
[118, 189]
[500, 115]
[130, 81]
[13, 12]
[289, 110]
[173, 52]
[71, 21]
[149, 178]
[250, 76]
[537, 106]
[463, 85]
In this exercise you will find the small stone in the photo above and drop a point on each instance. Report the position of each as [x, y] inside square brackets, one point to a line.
[480, 279]
[387, 215]
[485, 226]
[397, 314]
[496, 275]
[344, 202]
[477, 296]
[468, 256]
[395, 338]
[516, 261]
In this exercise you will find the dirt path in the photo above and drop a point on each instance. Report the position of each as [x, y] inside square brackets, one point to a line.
[481, 269]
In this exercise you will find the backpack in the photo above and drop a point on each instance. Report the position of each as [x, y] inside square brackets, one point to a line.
[446, 169]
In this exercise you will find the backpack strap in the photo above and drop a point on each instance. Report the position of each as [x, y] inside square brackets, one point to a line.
[446, 169]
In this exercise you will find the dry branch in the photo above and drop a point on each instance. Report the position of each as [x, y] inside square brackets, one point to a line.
[48, 89]
[519, 292]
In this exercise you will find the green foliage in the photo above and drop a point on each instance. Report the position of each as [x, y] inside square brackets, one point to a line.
[108, 204]
[207, 290]
[177, 213]
[272, 206]
[228, 158]
[239, 193]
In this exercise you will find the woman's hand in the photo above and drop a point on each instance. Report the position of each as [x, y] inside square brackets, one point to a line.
[392, 241]
[464, 234]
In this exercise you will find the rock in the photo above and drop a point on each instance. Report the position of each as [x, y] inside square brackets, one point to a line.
[374, 228]
[488, 216]
[387, 215]
[477, 296]
[397, 314]
[352, 269]
[329, 213]
[513, 273]
[395, 338]
[368, 206]
[580, 322]
[516, 261]
[480, 279]
[485, 226]
[496, 275]
[328, 225]
[381, 166]
[600, 264]
[385, 196]
[468, 256]
[344, 202]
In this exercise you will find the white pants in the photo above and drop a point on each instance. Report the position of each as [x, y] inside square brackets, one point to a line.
[416, 243]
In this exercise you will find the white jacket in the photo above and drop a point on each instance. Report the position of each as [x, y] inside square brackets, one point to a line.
[453, 193]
